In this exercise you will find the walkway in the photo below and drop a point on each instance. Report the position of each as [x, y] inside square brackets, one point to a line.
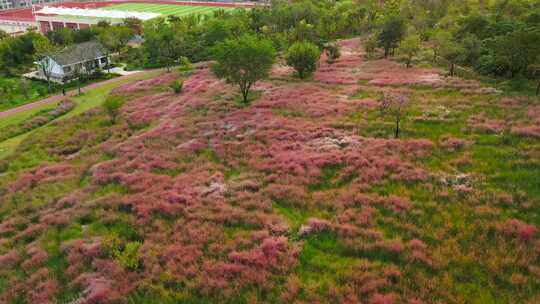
[55, 98]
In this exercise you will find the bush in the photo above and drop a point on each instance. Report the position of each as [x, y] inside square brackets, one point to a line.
[129, 257]
[185, 64]
[333, 52]
[112, 106]
[370, 45]
[177, 86]
[303, 57]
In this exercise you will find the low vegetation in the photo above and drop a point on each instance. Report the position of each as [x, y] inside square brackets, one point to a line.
[370, 180]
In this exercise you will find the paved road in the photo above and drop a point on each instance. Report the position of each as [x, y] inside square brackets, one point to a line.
[59, 97]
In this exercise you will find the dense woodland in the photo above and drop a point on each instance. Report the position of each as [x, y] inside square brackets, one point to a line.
[500, 38]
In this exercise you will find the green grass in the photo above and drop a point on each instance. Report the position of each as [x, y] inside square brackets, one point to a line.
[11, 92]
[89, 99]
[166, 9]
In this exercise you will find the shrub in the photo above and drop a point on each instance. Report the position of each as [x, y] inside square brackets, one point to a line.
[333, 52]
[112, 106]
[129, 257]
[303, 57]
[185, 64]
[177, 86]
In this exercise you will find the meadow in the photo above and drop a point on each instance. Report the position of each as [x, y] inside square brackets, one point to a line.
[302, 196]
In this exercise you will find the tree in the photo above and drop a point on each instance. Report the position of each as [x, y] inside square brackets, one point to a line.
[160, 41]
[303, 57]
[394, 104]
[393, 30]
[3, 35]
[85, 34]
[535, 71]
[410, 48]
[134, 24]
[452, 52]
[439, 40]
[61, 36]
[114, 38]
[44, 52]
[370, 45]
[112, 106]
[243, 61]
[24, 87]
[85, 57]
[517, 50]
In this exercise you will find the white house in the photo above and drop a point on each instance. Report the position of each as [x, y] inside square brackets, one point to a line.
[74, 60]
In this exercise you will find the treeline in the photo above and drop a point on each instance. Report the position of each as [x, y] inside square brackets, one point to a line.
[17, 54]
[495, 37]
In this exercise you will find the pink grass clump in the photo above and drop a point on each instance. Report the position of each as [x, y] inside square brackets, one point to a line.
[10, 259]
[144, 85]
[43, 174]
[518, 229]
[527, 131]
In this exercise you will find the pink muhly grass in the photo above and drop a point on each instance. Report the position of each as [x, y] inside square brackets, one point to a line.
[527, 131]
[518, 229]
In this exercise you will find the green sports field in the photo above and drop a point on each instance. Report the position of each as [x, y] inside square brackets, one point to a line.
[166, 9]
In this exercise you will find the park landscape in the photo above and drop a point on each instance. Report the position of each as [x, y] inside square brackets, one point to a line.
[324, 174]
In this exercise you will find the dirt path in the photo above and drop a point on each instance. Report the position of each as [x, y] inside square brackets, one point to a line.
[59, 97]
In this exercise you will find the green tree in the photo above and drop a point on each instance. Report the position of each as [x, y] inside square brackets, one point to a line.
[114, 38]
[439, 39]
[393, 30]
[370, 45]
[303, 57]
[112, 106]
[62, 36]
[410, 48]
[243, 61]
[517, 50]
[3, 35]
[452, 52]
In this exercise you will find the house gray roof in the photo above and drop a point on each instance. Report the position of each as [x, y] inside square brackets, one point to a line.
[79, 52]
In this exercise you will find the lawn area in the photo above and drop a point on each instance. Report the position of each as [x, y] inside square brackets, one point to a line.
[166, 9]
[89, 99]
[15, 92]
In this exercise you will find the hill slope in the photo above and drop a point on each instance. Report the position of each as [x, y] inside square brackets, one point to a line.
[300, 197]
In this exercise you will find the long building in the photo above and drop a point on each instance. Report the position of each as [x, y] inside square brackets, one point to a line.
[11, 4]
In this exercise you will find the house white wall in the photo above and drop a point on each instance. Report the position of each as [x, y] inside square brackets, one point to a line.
[57, 71]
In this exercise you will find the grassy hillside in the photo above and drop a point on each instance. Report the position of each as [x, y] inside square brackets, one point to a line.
[301, 197]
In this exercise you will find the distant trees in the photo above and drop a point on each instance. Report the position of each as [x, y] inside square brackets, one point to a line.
[160, 38]
[115, 38]
[392, 32]
[514, 52]
[17, 53]
[243, 61]
[303, 57]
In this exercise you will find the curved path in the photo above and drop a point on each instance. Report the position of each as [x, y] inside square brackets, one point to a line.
[59, 97]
